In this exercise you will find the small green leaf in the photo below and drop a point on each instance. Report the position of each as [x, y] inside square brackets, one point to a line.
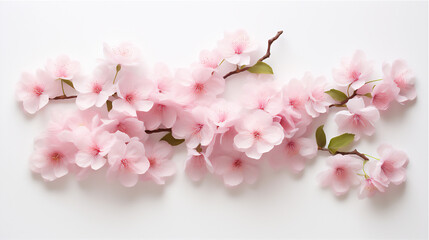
[340, 141]
[320, 137]
[368, 95]
[337, 95]
[171, 140]
[261, 67]
[109, 105]
[68, 82]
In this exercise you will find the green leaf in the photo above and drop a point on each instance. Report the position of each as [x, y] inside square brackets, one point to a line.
[340, 141]
[337, 95]
[171, 140]
[368, 95]
[320, 137]
[261, 67]
[68, 82]
[109, 105]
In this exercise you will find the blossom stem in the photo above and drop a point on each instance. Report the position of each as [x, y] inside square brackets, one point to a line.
[266, 55]
[158, 130]
[376, 80]
[354, 152]
[62, 97]
[342, 103]
[118, 68]
[62, 87]
[372, 157]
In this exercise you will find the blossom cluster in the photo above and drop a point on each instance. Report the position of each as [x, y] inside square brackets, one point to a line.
[122, 108]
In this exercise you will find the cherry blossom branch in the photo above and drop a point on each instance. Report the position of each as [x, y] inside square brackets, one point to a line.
[62, 97]
[158, 130]
[267, 55]
[354, 152]
[342, 103]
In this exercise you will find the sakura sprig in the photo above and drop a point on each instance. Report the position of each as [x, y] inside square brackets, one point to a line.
[128, 119]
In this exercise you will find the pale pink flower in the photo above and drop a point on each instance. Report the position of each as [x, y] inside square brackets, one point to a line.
[383, 94]
[159, 156]
[133, 95]
[165, 86]
[162, 113]
[293, 153]
[194, 127]
[294, 96]
[263, 96]
[235, 168]
[391, 167]
[197, 165]
[403, 77]
[210, 59]
[93, 146]
[354, 72]
[95, 90]
[341, 174]
[224, 114]
[127, 162]
[370, 186]
[257, 134]
[316, 100]
[127, 124]
[202, 84]
[35, 90]
[52, 158]
[124, 54]
[236, 47]
[357, 119]
[62, 68]
[64, 126]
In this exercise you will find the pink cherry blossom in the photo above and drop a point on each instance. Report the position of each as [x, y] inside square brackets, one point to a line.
[62, 68]
[202, 84]
[236, 47]
[93, 146]
[197, 165]
[35, 90]
[354, 72]
[264, 96]
[369, 186]
[403, 77]
[294, 95]
[95, 90]
[383, 94]
[162, 113]
[194, 127]
[124, 54]
[52, 158]
[316, 100]
[391, 167]
[64, 127]
[357, 119]
[164, 83]
[257, 134]
[341, 174]
[210, 59]
[224, 114]
[133, 92]
[127, 162]
[236, 168]
[127, 124]
[293, 153]
[159, 156]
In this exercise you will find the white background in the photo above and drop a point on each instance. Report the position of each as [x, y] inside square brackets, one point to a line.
[280, 205]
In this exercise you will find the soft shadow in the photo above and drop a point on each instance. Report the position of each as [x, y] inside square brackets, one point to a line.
[382, 201]
[57, 185]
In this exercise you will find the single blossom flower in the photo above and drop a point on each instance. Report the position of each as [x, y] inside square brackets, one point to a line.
[162, 113]
[119, 121]
[133, 92]
[52, 158]
[165, 86]
[391, 167]
[124, 54]
[369, 186]
[95, 90]
[34, 91]
[316, 100]
[210, 59]
[194, 127]
[236, 47]
[354, 72]
[127, 162]
[341, 174]
[294, 96]
[64, 127]
[257, 134]
[383, 94]
[236, 168]
[357, 119]
[263, 96]
[62, 68]
[197, 165]
[224, 114]
[159, 156]
[403, 77]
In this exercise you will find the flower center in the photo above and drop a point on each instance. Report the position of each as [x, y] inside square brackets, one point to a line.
[56, 157]
[124, 52]
[38, 90]
[355, 75]
[96, 88]
[339, 172]
[95, 150]
[198, 128]
[129, 98]
[199, 88]
[124, 163]
[400, 81]
[387, 167]
[152, 162]
[237, 163]
[256, 134]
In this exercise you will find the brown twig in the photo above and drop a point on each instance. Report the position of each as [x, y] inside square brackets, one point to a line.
[62, 97]
[354, 152]
[158, 130]
[341, 104]
[267, 55]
